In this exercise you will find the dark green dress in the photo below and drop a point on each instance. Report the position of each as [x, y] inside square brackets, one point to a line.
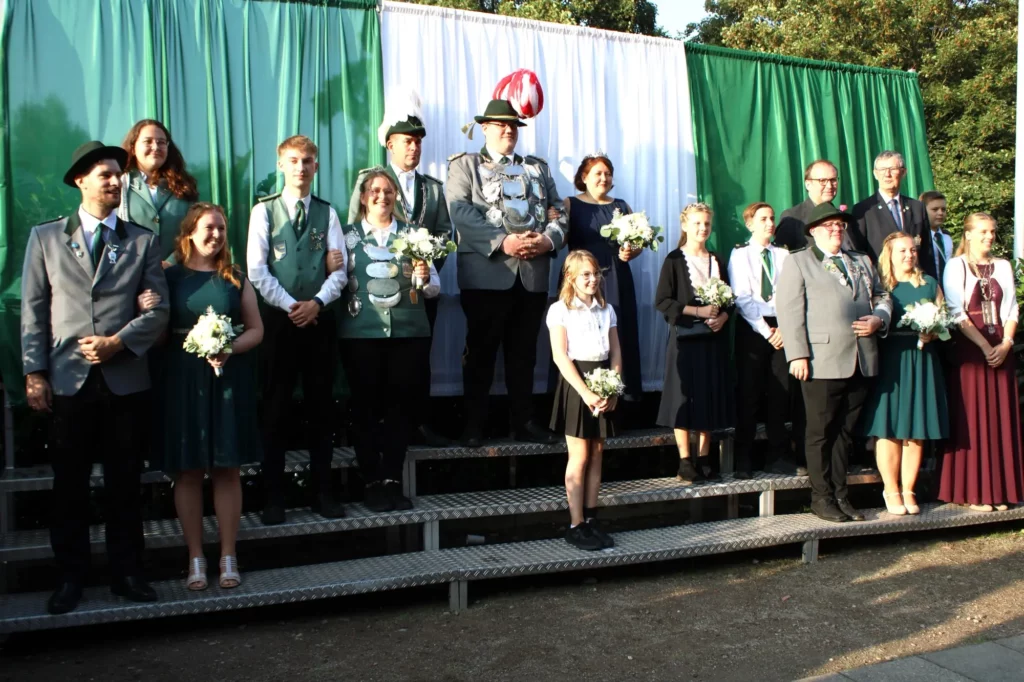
[209, 421]
[908, 400]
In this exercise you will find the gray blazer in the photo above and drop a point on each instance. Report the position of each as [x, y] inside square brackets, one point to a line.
[482, 263]
[64, 299]
[816, 311]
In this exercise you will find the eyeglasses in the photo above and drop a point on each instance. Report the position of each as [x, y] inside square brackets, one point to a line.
[833, 225]
[387, 192]
[825, 182]
[890, 171]
[162, 144]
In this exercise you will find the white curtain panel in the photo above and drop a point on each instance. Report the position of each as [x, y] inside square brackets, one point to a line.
[622, 94]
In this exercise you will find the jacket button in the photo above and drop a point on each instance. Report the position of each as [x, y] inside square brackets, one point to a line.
[95, 296]
[298, 248]
[95, 320]
[300, 267]
[385, 330]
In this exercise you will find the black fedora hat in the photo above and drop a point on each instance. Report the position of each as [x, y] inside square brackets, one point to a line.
[500, 110]
[823, 212]
[86, 156]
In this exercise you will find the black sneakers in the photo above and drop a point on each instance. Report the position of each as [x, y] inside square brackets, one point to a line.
[687, 473]
[399, 502]
[583, 537]
[376, 498]
[606, 540]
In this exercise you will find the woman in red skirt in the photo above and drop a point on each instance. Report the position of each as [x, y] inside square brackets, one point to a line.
[982, 466]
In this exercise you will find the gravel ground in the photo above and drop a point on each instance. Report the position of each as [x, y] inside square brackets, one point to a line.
[759, 615]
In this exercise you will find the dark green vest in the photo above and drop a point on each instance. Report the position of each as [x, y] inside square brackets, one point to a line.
[404, 320]
[162, 215]
[298, 263]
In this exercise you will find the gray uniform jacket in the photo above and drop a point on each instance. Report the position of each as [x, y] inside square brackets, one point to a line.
[816, 310]
[482, 263]
[63, 299]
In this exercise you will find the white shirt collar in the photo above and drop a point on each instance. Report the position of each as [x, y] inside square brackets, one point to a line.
[496, 157]
[580, 305]
[90, 222]
[886, 200]
[290, 198]
[401, 174]
[379, 232]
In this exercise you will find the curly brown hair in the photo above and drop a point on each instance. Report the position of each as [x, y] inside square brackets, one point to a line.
[183, 242]
[179, 182]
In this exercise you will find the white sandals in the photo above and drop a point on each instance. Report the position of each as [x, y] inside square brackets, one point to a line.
[196, 574]
[229, 575]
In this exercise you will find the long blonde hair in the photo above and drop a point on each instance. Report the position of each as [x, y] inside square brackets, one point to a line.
[697, 207]
[574, 262]
[227, 270]
[885, 271]
[969, 225]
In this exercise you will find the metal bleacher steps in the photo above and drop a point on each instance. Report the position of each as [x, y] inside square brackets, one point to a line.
[459, 566]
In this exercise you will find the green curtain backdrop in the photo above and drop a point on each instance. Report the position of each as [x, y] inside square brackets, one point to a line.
[759, 119]
[229, 78]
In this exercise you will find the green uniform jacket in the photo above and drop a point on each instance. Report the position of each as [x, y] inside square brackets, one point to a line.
[163, 215]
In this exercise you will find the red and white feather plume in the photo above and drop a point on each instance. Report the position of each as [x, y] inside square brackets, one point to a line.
[523, 91]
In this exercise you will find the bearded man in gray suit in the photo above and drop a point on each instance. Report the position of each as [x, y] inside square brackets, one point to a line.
[84, 346]
[830, 305]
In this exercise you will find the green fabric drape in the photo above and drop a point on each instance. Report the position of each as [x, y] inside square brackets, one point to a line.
[229, 78]
[759, 119]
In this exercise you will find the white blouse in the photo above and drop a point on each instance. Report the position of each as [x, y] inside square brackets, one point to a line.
[586, 329]
[958, 284]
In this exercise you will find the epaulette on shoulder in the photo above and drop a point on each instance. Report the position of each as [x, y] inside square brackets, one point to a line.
[431, 178]
[141, 227]
[859, 253]
[51, 220]
[535, 159]
[313, 197]
[741, 245]
[269, 197]
[802, 248]
[455, 156]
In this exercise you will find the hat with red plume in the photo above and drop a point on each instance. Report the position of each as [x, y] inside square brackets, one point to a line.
[517, 96]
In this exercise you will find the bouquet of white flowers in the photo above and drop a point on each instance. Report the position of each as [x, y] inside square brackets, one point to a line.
[419, 244]
[928, 318]
[715, 292]
[211, 336]
[605, 383]
[632, 230]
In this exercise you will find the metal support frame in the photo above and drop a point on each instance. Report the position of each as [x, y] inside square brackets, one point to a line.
[810, 551]
[458, 596]
[409, 477]
[766, 503]
[431, 535]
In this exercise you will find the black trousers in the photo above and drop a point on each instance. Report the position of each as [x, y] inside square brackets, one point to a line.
[97, 425]
[289, 353]
[384, 400]
[422, 373]
[833, 407]
[763, 381]
[510, 318]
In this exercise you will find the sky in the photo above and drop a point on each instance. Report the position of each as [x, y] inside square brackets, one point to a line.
[674, 15]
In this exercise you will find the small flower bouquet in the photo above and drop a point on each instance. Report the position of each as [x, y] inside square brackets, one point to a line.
[211, 336]
[716, 292]
[632, 230]
[419, 244]
[605, 383]
[928, 318]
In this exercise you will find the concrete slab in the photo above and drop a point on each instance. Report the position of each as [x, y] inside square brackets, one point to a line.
[1015, 643]
[912, 669]
[988, 662]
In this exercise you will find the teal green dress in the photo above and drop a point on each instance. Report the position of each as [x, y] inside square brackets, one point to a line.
[908, 400]
[208, 421]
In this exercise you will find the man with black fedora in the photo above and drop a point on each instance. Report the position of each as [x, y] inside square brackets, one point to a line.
[420, 203]
[831, 305]
[508, 216]
[84, 344]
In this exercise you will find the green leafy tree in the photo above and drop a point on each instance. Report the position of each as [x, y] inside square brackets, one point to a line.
[627, 16]
[964, 52]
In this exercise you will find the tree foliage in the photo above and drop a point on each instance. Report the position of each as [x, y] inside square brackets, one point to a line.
[965, 54]
[627, 16]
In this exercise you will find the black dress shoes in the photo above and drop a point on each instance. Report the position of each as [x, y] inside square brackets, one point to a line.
[687, 473]
[272, 514]
[376, 498]
[133, 588]
[472, 437]
[828, 511]
[431, 438]
[781, 467]
[65, 599]
[399, 502]
[705, 470]
[328, 507]
[848, 509]
[533, 432]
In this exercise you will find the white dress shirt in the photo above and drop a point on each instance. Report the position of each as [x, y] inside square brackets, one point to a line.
[587, 328]
[381, 235]
[958, 284]
[145, 181]
[89, 225]
[745, 267]
[407, 186]
[258, 248]
[947, 247]
[899, 209]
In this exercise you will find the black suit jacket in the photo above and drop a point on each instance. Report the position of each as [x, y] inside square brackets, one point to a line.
[873, 223]
[789, 233]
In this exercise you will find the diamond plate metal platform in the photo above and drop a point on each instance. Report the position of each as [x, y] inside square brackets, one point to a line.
[456, 567]
[34, 544]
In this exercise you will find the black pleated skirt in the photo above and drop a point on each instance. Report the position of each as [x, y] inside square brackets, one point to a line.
[571, 416]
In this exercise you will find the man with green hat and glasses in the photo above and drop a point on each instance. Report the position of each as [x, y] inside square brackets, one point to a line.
[830, 306]
[506, 210]
[420, 204]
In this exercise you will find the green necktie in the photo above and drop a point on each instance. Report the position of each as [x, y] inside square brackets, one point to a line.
[300, 218]
[504, 160]
[766, 275]
[97, 245]
[839, 263]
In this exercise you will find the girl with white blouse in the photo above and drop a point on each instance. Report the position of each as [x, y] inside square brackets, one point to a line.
[583, 338]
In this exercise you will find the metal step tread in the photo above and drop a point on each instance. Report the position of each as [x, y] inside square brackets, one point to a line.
[26, 611]
[34, 544]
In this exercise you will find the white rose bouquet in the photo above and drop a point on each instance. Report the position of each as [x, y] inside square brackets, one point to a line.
[632, 230]
[419, 244]
[604, 382]
[211, 336]
[716, 292]
[928, 318]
